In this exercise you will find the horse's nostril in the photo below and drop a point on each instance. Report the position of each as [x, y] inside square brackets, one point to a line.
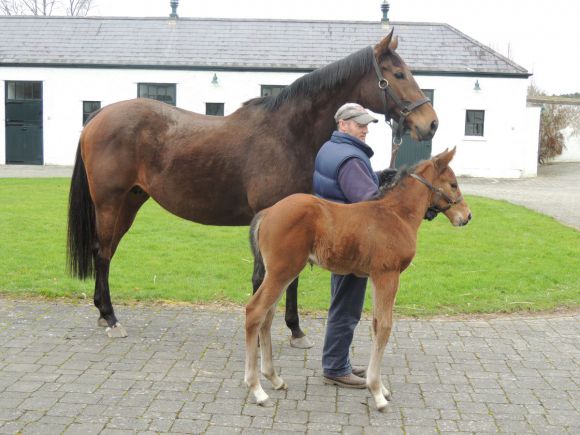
[469, 217]
[434, 126]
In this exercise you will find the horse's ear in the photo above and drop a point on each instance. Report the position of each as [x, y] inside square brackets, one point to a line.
[385, 44]
[394, 43]
[442, 160]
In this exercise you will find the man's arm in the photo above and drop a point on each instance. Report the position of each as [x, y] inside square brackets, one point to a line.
[355, 181]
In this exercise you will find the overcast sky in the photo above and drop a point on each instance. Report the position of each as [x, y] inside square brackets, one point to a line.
[542, 36]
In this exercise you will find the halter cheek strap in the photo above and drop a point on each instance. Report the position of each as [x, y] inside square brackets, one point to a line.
[439, 194]
[405, 107]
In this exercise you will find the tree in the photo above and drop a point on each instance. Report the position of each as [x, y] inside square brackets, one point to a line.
[45, 7]
[554, 119]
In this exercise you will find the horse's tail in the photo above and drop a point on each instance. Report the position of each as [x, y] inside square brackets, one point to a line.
[259, 269]
[81, 223]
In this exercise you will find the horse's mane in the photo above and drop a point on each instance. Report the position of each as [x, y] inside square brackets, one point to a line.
[389, 179]
[322, 79]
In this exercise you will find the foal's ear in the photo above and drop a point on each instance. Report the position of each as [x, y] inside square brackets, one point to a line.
[442, 160]
[385, 44]
[394, 43]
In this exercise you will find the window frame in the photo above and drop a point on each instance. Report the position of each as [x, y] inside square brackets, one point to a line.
[167, 86]
[274, 90]
[471, 127]
[87, 114]
[215, 105]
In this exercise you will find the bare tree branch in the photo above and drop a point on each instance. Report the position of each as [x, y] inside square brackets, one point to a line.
[77, 8]
[10, 7]
[45, 7]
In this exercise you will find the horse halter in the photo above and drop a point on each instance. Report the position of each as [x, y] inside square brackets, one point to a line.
[405, 107]
[438, 195]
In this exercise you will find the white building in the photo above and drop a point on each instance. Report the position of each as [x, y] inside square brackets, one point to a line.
[56, 70]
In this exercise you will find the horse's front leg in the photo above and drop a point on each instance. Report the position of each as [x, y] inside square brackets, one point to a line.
[298, 338]
[384, 292]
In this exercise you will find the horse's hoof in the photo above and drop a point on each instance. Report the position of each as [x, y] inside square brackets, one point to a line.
[282, 386]
[266, 403]
[388, 396]
[382, 408]
[301, 343]
[117, 331]
[102, 322]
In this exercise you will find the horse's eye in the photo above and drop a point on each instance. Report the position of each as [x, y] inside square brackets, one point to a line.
[454, 185]
[399, 75]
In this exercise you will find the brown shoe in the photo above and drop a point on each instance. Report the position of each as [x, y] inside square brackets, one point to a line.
[348, 381]
[361, 372]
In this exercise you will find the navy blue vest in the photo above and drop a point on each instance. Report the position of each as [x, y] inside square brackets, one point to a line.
[330, 158]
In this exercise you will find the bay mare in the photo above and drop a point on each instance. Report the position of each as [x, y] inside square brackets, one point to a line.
[219, 170]
[375, 239]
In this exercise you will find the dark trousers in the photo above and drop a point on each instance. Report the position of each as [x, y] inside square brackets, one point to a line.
[346, 304]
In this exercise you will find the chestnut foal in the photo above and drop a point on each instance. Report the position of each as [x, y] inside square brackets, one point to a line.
[376, 238]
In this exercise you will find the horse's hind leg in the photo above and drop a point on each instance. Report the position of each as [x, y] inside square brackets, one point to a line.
[258, 311]
[298, 339]
[113, 221]
[268, 369]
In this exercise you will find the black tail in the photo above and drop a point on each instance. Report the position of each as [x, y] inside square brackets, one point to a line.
[81, 224]
[259, 269]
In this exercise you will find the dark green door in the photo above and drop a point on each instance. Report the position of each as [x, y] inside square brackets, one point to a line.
[412, 151]
[24, 123]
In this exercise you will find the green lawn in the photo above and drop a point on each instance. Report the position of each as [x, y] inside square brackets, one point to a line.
[507, 259]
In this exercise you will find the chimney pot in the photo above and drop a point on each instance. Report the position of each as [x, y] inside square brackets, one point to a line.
[385, 8]
[173, 4]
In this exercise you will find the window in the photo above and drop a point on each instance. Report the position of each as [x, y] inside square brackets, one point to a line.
[23, 91]
[157, 91]
[215, 109]
[474, 122]
[271, 90]
[88, 108]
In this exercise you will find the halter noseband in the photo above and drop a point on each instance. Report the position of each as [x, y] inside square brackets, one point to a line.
[439, 194]
[405, 107]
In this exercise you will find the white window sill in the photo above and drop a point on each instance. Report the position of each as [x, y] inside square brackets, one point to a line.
[475, 138]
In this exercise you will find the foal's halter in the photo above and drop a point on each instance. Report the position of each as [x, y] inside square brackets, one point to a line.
[405, 107]
[439, 194]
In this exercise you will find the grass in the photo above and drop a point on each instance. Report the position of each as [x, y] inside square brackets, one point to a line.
[507, 259]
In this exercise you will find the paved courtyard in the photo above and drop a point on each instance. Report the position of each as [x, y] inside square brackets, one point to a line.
[181, 368]
[181, 371]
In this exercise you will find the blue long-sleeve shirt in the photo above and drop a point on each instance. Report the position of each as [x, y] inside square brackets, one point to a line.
[355, 181]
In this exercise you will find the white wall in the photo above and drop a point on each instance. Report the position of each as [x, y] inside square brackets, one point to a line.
[506, 150]
[572, 151]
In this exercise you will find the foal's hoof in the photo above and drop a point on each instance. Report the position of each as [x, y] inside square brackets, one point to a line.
[102, 322]
[301, 343]
[267, 403]
[283, 386]
[116, 331]
[382, 408]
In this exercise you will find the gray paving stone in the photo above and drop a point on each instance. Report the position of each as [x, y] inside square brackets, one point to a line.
[512, 375]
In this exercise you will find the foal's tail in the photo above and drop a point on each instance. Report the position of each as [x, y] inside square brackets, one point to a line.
[81, 223]
[259, 269]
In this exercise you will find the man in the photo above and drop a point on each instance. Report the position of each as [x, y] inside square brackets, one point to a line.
[343, 173]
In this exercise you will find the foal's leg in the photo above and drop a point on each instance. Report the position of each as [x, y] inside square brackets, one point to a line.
[112, 223]
[384, 291]
[298, 339]
[257, 310]
[268, 369]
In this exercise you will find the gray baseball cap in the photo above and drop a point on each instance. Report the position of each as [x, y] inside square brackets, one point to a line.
[354, 112]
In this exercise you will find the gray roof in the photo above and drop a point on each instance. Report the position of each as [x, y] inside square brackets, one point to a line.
[240, 44]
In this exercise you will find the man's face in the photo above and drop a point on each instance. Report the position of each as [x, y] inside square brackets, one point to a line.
[353, 128]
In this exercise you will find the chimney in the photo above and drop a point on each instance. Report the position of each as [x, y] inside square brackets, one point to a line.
[173, 4]
[385, 8]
